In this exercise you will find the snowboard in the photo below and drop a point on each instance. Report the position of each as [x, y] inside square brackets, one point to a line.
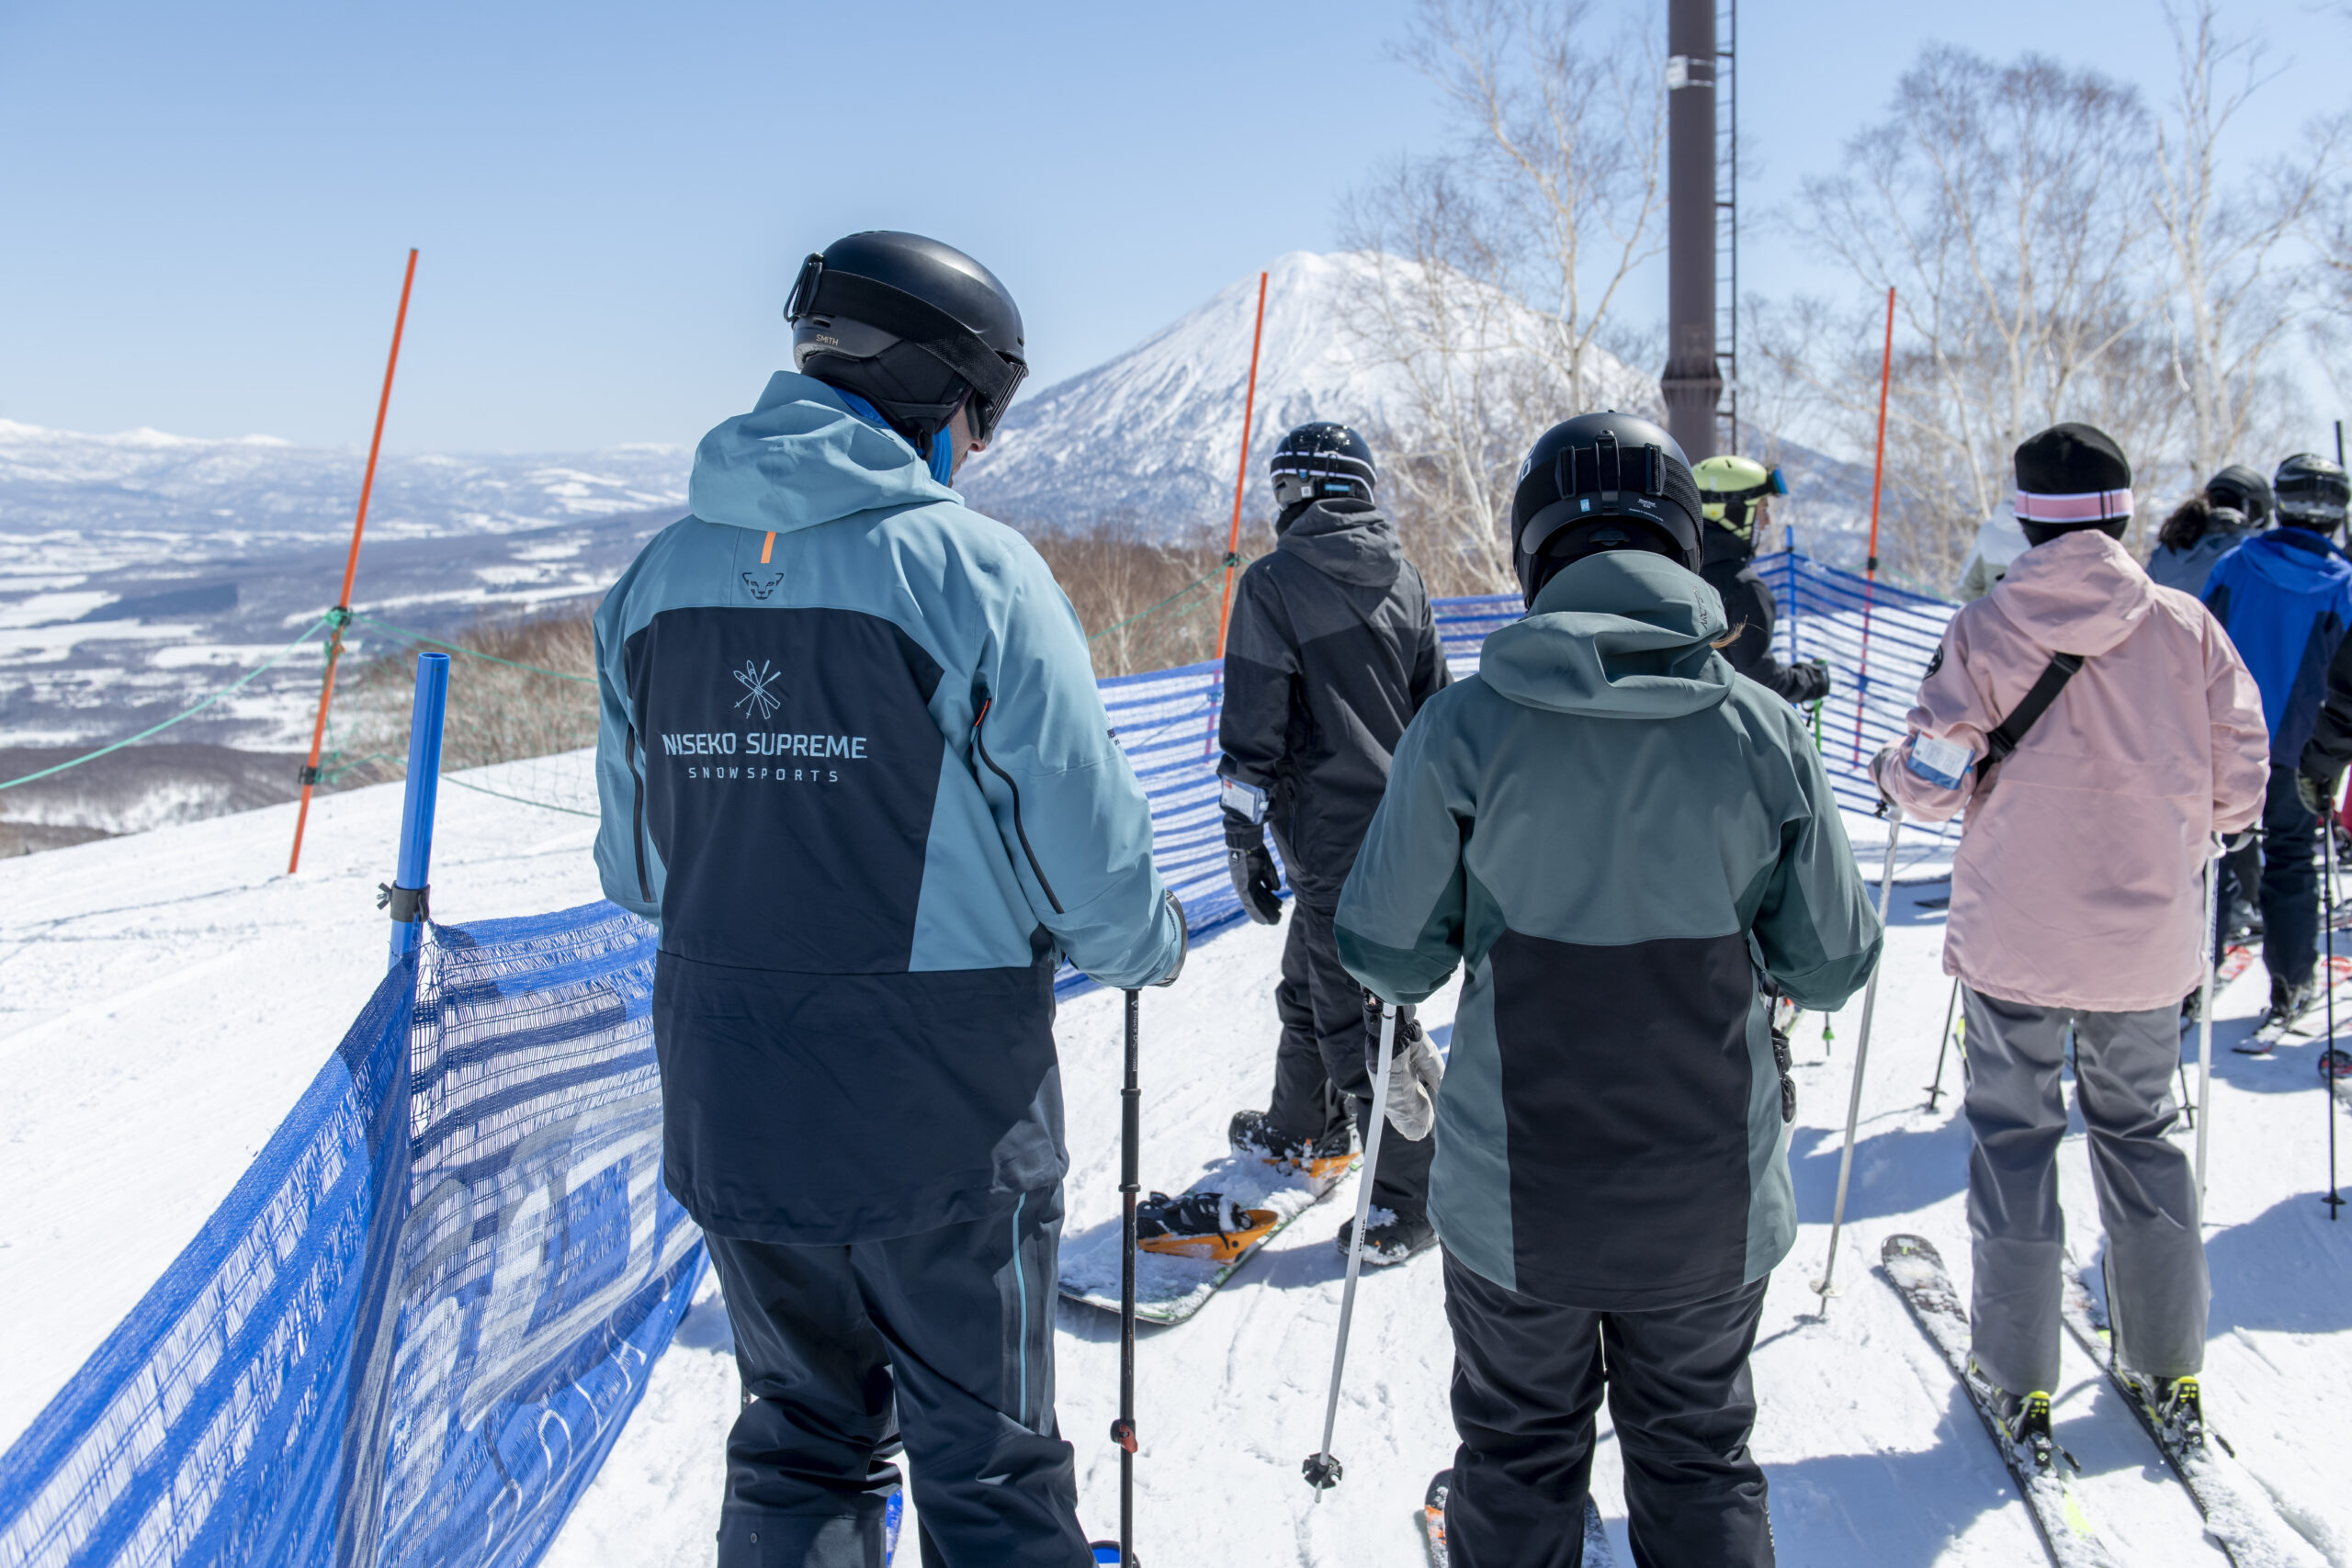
[1915, 1269]
[2238, 1514]
[1175, 1278]
[1432, 1521]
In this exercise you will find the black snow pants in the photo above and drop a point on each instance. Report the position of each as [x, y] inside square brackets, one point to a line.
[1321, 1076]
[1528, 1378]
[944, 1339]
[2289, 887]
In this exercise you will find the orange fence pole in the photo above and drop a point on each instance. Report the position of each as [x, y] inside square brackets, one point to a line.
[1870, 561]
[1248, 408]
[350, 570]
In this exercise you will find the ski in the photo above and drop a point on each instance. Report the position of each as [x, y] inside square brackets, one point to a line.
[2274, 1028]
[1433, 1522]
[1916, 1271]
[1204, 1233]
[2238, 1515]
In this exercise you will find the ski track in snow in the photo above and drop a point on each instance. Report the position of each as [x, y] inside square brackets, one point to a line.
[165, 998]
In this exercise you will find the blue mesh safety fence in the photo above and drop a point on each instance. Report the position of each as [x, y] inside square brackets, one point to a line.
[1876, 639]
[416, 1326]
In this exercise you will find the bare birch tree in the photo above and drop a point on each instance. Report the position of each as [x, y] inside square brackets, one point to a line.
[2228, 254]
[1497, 264]
[2011, 207]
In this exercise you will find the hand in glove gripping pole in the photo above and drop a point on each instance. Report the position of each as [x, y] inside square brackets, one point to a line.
[1252, 868]
[2316, 791]
[1415, 1069]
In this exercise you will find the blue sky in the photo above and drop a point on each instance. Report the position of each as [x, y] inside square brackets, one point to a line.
[204, 209]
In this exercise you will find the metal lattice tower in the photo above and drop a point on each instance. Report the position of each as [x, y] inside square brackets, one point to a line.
[1727, 221]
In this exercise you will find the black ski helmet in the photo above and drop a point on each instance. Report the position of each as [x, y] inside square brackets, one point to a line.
[1322, 461]
[2311, 491]
[2243, 491]
[914, 327]
[1601, 481]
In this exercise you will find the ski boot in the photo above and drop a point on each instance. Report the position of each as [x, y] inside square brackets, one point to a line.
[1200, 1225]
[1390, 1238]
[1321, 1161]
[2023, 1418]
[2173, 1405]
[2289, 1000]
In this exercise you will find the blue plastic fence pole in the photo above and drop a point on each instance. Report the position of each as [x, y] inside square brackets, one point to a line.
[407, 893]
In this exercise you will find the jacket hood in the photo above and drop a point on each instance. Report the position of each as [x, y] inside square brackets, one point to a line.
[2082, 592]
[801, 457]
[1620, 635]
[2297, 560]
[1348, 541]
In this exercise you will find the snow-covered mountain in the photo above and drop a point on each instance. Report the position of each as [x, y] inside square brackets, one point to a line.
[1151, 439]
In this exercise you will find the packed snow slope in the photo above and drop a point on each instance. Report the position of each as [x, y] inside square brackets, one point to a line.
[164, 997]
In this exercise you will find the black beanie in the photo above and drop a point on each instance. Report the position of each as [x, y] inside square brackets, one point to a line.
[2072, 477]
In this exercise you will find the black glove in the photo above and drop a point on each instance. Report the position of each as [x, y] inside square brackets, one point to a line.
[1252, 868]
[2316, 793]
[1819, 687]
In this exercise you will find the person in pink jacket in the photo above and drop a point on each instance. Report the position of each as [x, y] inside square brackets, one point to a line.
[2078, 903]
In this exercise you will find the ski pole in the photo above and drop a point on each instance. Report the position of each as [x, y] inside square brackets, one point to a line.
[1321, 1470]
[1824, 1286]
[2205, 1017]
[1944, 1043]
[1123, 1430]
[2326, 1057]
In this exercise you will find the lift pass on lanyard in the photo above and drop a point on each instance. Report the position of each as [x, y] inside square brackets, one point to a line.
[1939, 762]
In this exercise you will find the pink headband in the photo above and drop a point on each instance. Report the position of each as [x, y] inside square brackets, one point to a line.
[2094, 506]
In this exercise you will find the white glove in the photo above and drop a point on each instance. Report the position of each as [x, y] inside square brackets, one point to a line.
[1415, 1070]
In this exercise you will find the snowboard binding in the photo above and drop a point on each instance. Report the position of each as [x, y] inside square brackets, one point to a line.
[1200, 1225]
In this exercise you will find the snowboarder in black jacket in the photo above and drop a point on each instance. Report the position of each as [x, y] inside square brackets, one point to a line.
[1330, 652]
[1732, 492]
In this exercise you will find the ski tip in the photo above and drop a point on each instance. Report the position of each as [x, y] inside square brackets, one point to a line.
[1438, 1484]
[1907, 1245]
[1106, 1553]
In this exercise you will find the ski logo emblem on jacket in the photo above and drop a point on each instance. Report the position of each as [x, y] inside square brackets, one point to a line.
[762, 587]
[760, 689]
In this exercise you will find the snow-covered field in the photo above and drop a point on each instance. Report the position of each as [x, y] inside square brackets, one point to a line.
[164, 997]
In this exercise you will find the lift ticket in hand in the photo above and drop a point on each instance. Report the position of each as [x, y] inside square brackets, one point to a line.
[1942, 761]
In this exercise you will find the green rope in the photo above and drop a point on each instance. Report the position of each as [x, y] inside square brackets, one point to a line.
[520, 799]
[246, 679]
[469, 652]
[1143, 614]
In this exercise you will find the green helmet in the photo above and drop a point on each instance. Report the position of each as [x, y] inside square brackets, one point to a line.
[1730, 487]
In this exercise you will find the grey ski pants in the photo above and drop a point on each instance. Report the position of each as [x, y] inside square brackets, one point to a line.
[2156, 1282]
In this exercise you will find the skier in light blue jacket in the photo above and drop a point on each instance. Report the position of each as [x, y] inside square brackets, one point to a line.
[853, 760]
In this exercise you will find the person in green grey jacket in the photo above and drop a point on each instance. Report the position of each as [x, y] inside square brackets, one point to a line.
[1627, 844]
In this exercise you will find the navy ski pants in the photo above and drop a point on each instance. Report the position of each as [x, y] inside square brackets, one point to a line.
[2289, 882]
[944, 1339]
[1529, 1377]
